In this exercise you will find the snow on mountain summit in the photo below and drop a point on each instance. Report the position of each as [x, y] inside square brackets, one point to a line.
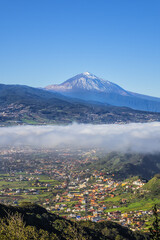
[87, 82]
[88, 87]
[87, 73]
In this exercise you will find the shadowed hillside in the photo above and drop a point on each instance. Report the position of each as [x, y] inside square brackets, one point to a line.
[33, 222]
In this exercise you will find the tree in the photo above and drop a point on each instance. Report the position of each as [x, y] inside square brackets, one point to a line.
[155, 229]
[13, 228]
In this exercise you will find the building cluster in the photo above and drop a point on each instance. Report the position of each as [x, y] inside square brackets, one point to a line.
[58, 181]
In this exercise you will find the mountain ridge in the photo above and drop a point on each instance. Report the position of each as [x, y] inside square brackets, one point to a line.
[21, 104]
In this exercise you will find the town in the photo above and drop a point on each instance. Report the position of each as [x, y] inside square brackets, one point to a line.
[60, 181]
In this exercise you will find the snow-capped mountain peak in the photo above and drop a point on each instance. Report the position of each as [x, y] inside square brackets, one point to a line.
[88, 87]
[87, 73]
[87, 82]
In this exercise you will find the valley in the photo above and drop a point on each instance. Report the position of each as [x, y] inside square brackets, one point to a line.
[75, 185]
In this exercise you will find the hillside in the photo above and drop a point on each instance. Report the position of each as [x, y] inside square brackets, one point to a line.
[26, 105]
[124, 165]
[153, 185]
[41, 224]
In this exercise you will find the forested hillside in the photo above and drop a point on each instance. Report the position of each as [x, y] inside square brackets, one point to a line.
[34, 222]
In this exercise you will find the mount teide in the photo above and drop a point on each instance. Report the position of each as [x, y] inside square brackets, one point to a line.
[89, 87]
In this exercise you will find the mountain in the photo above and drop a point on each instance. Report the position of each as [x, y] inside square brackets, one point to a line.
[88, 87]
[87, 81]
[26, 105]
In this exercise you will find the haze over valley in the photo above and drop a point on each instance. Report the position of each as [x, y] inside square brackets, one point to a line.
[135, 137]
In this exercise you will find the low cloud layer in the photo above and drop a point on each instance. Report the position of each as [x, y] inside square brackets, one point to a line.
[143, 138]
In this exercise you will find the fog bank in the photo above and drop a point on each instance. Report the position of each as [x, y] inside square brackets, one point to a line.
[135, 137]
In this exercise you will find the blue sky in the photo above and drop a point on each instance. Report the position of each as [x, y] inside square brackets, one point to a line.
[44, 42]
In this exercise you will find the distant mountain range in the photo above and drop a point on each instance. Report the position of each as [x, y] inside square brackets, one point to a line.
[89, 87]
[82, 99]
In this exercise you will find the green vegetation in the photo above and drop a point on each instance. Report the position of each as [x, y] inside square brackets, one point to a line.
[31, 221]
[29, 121]
[155, 229]
[38, 190]
[124, 165]
[154, 185]
[135, 206]
[14, 228]
[142, 199]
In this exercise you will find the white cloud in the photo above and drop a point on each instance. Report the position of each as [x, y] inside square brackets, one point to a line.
[133, 137]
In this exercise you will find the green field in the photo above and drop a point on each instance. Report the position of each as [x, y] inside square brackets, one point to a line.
[8, 182]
